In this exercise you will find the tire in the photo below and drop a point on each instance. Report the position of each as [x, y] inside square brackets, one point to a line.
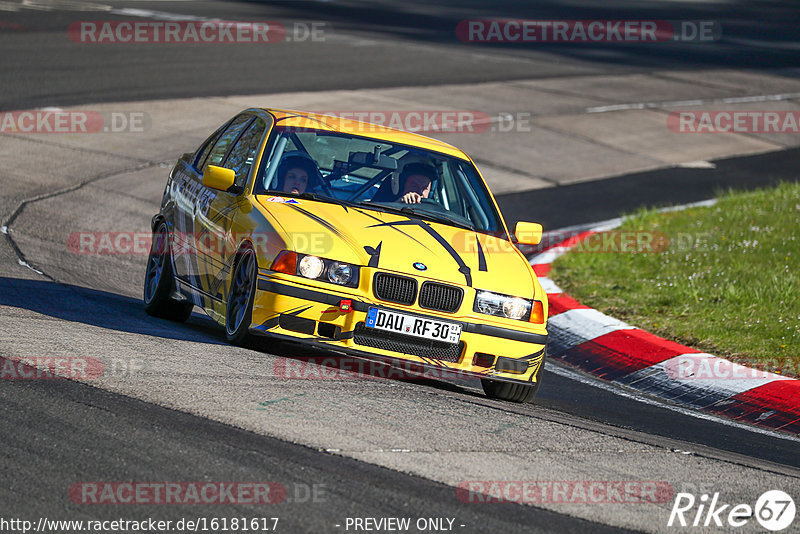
[239, 309]
[159, 281]
[511, 391]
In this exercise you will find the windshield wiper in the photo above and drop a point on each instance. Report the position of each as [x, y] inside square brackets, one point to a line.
[438, 217]
[421, 214]
[312, 196]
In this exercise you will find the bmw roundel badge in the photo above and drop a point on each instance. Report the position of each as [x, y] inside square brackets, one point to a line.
[420, 266]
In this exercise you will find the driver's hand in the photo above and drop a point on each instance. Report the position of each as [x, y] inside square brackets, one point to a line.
[411, 198]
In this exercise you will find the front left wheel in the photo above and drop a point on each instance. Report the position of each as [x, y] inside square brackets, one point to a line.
[239, 311]
[159, 280]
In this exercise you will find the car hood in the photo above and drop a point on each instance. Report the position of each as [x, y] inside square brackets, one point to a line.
[394, 242]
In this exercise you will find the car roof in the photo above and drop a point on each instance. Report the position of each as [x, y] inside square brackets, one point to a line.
[318, 121]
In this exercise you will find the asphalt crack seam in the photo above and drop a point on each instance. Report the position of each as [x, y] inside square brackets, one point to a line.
[21, 258]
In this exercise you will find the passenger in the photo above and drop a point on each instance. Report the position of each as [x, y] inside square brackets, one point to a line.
[295, 174]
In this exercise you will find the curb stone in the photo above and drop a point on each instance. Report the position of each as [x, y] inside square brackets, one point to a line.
[612, 350]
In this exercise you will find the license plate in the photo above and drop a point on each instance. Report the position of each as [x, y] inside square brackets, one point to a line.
[410, 325]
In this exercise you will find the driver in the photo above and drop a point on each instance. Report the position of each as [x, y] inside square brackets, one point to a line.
[415, 183]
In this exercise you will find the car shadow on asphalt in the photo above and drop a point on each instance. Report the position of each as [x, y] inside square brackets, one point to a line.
[102, 309]
[125, 314]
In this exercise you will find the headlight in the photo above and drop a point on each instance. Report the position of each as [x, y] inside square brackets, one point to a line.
[310, 267]
[516, 308]
[502, 305]
[316, 268]
[339, 273]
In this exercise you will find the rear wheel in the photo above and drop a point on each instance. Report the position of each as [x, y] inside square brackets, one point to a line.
[239, 311]
[159, 281]
[511, 391]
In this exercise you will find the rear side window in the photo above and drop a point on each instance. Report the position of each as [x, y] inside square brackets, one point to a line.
[244, 151]
[201, 153]
[224, 141]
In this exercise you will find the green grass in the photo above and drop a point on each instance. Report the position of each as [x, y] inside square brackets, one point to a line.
[728, 282]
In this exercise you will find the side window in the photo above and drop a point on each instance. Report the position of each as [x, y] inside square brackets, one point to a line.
[222, 145]
[243, 152]
[202, 153]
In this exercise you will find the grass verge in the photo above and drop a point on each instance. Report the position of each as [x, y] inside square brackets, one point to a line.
[723, 279]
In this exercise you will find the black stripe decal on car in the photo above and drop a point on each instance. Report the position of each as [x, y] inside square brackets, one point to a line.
[362, 212]
[463, 268]
[308, 294]
[323, 222]
[535, 357]
[375, 255]
[481, 257]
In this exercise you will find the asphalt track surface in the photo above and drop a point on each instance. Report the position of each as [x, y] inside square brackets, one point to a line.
[397, 45]
[58, 432]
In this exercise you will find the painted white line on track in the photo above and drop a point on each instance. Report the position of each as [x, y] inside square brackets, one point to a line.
[699, 164]
[548, 256]
[696, 102]
[159, 15]
[60, 5]
[26, 264]
[578, 228]
[618, 390]
[699, 204]
[607, 225]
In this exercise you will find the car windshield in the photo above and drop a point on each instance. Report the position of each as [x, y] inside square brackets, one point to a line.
[378, 175]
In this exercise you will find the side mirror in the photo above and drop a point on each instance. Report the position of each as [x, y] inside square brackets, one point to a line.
[218, 178]
[528, 233]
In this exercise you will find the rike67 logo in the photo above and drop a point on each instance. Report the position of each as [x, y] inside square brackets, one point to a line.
[774, 510]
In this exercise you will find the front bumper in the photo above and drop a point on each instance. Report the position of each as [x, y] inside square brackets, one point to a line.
[309, 313]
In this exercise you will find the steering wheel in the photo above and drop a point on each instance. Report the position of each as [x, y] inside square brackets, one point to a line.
[435, 204]
[326, 184]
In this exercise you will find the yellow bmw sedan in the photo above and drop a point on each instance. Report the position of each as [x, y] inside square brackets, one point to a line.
[353, 238]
